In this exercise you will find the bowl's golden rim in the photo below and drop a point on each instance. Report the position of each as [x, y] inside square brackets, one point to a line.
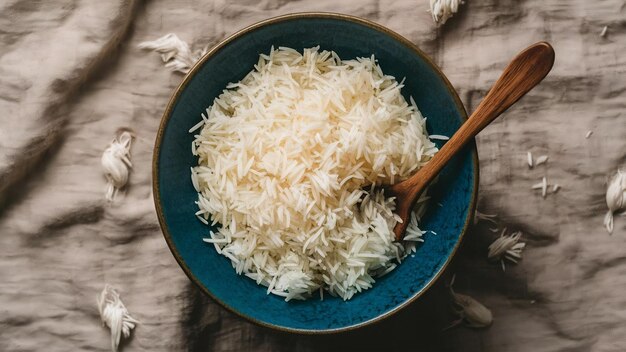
[190, 75]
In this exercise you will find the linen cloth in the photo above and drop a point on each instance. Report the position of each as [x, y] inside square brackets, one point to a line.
[71, 75]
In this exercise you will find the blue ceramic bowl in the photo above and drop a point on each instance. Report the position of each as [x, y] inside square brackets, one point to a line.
[454, 195]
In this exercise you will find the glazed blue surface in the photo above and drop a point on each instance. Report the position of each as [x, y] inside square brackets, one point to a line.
[214, 273]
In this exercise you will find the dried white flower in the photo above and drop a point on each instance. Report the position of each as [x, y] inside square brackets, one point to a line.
[615, 198]
[506, 247]
[116, 163]
[540, 160]
[604, 30]
[115, 315]
[589, 133]
[529, 158]
[442, 10]
[174, 52]
[470, 310]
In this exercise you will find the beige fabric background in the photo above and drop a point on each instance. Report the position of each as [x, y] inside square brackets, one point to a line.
[71, 75]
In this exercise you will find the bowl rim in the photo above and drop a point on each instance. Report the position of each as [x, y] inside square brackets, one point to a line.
[168, 113]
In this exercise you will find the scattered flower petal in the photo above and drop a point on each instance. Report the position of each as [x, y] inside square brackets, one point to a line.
[540, 160]
[174, 52]
[484, 217]
[529, 156]
[615, 198]
[115, 315]
[478, 216]
[543, 186]
[116, 163]
[604, 31]
[589, 133]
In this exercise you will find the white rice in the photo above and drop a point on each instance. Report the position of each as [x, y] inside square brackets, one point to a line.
[288, 161]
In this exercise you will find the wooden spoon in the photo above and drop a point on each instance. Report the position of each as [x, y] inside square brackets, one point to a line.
[524, 72]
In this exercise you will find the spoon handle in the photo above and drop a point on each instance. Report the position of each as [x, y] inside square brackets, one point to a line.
[524, 72]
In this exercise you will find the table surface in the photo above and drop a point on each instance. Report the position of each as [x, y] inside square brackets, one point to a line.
[71, 75]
